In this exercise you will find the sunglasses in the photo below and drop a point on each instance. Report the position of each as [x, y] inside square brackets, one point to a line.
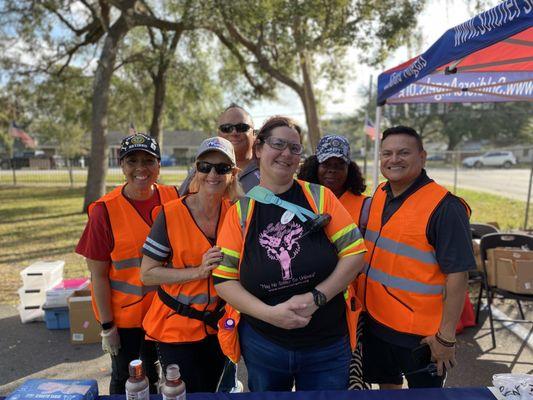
[205, 167]
[228, 128]
[282, 144]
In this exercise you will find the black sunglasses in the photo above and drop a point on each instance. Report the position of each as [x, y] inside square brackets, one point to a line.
[240, 128]
[205, 167]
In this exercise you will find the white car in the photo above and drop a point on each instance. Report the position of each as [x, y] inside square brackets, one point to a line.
[504, 159]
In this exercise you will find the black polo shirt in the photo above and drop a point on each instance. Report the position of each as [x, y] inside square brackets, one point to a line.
[448, 232]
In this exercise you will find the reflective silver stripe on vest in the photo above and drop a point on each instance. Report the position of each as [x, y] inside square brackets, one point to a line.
[195, 299]
[229, 261]
[128, 288]
[348, 238]
[402, 283]
[127, 263]
[401, 249]
[315, 193]
[244, 203]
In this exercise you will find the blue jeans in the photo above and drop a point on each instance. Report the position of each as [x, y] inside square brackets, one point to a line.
[275, 368]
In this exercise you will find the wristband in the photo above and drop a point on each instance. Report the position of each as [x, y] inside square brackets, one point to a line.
[107, 325]
[444, 342]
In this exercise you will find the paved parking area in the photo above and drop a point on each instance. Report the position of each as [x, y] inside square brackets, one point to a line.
[32, 351]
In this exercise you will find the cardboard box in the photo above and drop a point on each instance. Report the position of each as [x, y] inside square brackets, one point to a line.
[477, 254]
[515, 275]
[510, 253]
[83, 325]
[56, 389]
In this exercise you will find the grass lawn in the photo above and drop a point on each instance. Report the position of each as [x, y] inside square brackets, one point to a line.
[45, 223]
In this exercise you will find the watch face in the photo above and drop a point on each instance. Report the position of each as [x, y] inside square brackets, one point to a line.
[319, 298]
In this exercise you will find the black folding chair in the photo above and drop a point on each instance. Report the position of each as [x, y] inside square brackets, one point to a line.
[479, 230]
[491, 241]
[476, 276]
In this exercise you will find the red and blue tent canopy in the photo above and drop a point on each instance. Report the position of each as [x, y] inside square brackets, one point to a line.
[488, 58]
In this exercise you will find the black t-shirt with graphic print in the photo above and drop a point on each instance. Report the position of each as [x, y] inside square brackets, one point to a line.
[279, 263]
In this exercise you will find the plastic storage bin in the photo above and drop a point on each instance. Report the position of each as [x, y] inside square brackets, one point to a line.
[56, 317]
[30, 313]
[58, 295]
[31, 297]
[42, 274]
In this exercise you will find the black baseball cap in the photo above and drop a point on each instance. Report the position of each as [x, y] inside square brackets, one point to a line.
[139, 142]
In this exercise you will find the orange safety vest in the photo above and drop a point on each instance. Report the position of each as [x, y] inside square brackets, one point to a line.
[353, 204]
[188, 245]
[228, 335]
[404, 285]
[130, 299]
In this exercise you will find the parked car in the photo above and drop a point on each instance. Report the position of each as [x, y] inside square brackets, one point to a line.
[504, 159]
[168, 161]
[436, 157]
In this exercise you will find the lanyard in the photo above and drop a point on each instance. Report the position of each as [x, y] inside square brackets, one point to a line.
[265, 196]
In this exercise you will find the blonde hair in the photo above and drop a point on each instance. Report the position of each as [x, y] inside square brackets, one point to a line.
[233, 190]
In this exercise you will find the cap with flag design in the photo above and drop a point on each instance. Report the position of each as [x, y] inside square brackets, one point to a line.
[139, 142]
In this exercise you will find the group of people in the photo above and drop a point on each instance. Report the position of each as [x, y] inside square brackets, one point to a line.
[314, 284]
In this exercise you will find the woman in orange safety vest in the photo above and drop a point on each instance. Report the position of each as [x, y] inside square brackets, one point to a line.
[332, 167]
[179, 255]
[117, 228]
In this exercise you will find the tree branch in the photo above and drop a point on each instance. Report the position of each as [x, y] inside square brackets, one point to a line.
[262, 60]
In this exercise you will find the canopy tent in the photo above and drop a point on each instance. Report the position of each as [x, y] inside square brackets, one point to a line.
[488, 58]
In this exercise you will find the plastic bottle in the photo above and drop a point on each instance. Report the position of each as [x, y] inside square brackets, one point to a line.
[174, 387]
[137, 384]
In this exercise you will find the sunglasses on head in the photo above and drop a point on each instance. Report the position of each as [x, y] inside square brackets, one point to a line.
[221, 168]
[282, 144]
[228, 128]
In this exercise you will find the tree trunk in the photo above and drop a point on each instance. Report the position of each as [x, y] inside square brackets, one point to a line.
[97, 173]
[160, 89]
[309, 102]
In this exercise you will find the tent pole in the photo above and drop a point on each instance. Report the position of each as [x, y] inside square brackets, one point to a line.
[377, 142]
[528, 196]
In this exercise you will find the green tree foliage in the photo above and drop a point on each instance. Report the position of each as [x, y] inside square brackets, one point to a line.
[296, 43]
[503, 124]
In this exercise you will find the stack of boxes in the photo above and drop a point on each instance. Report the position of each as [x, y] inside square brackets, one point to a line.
[56, 311]
[36, 280]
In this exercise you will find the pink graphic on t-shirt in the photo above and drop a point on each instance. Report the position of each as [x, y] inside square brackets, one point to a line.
[281, 244]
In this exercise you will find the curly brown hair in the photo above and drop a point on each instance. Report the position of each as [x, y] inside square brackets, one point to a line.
[355, 182]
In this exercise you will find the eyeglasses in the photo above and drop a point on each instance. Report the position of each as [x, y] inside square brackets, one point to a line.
[205, 167]
[239, 128]
[281, 144]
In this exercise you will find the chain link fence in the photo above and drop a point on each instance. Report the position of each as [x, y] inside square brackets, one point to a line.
[57, 171]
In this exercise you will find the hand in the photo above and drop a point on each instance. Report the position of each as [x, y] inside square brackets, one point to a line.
[285, 315]
[210, 261]
[110, 341]
[303, 304]
[442, 355]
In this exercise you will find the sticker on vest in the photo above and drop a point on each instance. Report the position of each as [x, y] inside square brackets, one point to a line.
[287, 217]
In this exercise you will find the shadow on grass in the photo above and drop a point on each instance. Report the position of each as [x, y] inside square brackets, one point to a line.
[31, 348]
[41, 218]
[36, 254]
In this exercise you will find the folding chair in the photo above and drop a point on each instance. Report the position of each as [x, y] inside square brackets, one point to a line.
[490, 241]
[479, 230]
[477, 277]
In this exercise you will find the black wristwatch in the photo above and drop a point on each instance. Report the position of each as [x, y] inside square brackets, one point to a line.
[107, 325]
[319, 298]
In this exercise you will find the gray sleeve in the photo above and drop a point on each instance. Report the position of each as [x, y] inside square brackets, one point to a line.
[184, 187]
[157, 245]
